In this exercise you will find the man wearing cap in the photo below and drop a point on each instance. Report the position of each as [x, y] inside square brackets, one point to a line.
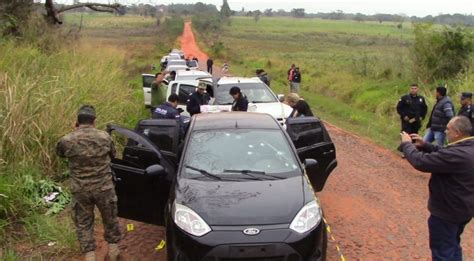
[240, 100]
[466, 109]
[412, 110]
[442, 112]
[197, 99]
[89, 152]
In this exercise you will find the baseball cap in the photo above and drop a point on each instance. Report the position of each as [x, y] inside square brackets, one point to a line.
[202, 85]
[86, 110]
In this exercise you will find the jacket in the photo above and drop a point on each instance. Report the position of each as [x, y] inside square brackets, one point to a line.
[451, 186]
[195, 101]
[442, 112]
[467, 111]
[264, 78]
[166, 111]
[241, 104]
[296, 76]
[412, 107]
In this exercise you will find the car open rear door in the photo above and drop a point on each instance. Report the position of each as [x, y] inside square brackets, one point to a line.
[147, 80]
[312, 141]
[142, 194]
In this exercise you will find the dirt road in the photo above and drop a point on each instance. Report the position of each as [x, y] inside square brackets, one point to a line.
[375, 203]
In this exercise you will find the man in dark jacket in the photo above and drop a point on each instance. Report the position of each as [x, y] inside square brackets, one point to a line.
[168, 110]
[451, 186]
[197, 99]
[442, 112]
[466, 109]
[240, 100]
[412, 110]
[296, 80]
[263, 76]
[209, 63]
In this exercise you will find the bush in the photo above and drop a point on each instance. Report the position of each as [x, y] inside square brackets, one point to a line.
[441, 54]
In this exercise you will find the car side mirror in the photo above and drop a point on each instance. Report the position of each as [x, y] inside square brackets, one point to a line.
[310, 163]
[155, 170]
[281, 97]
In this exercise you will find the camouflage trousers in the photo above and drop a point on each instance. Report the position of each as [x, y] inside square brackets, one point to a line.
[83, 216]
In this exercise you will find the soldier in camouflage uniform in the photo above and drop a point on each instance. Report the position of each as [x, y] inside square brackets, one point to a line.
[89, 152]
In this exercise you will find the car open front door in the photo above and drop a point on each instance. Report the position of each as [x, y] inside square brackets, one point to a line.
[143, 178]
[312, 141]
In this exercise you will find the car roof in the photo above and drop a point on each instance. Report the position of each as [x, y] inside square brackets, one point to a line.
[231, 80]
[234, 120]
[193, 73]
[175, 67]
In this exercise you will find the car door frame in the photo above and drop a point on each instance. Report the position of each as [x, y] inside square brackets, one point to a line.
[141, 196]
[322, 150]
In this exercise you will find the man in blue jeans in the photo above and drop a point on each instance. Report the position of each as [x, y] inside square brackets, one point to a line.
[451, 186]
[442, 112]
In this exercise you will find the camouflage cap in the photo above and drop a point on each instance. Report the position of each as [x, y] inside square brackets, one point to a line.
[86, 110]
[202, 85]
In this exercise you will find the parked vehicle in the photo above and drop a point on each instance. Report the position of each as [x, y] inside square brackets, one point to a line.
[193, 64]
[177, 62]
[176, 68]
[261, 98]
[184, 88]
[243, 188]
[193, 75]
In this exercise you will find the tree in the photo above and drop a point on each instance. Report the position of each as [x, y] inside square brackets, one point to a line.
[52, 14]
[256, 15]
[442, 54]
[268, 12]
[298, 12]
[225, 10]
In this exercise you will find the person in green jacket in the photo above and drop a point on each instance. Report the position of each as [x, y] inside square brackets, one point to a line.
[158, 91]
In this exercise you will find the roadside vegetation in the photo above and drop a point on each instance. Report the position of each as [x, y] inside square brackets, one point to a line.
[353, 73]
[44, 78]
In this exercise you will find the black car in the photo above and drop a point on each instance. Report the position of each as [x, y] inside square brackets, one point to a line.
[242, 187]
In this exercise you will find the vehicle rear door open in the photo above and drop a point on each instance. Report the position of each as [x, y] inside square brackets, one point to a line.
[312, 141]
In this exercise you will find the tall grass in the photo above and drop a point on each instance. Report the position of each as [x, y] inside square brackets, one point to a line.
[40, 94]
[43, 81]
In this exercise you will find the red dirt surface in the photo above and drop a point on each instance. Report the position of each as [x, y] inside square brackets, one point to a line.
[190, 47]
[374, 202]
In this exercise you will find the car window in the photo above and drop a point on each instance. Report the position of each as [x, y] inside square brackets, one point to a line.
[192, 63]
[255, 92]
[184, 92]
[176, 62]
[240, 149]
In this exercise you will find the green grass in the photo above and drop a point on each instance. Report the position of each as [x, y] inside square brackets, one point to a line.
[41, 89]
[352, 73]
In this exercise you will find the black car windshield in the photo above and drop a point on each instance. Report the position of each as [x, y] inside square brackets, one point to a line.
[223, 152]
[256, 92]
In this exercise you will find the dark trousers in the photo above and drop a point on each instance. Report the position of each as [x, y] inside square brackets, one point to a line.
[410, 127]
[445, 239]
[209, 69]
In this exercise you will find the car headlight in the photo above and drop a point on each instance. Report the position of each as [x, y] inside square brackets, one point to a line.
[307, 218]
[189, 221]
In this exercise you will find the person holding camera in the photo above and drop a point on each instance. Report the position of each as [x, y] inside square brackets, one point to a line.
[412, 109]
[451, 186]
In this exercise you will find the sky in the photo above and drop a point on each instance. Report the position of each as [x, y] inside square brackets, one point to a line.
[408, 7]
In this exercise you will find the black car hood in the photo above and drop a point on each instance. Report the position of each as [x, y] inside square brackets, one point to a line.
[243, 203]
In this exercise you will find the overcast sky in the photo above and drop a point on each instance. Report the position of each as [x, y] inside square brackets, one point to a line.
[408, 7]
